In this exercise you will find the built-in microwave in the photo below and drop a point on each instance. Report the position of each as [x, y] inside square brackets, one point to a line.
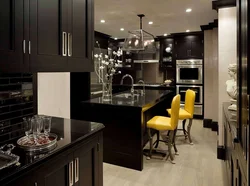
[189, 71]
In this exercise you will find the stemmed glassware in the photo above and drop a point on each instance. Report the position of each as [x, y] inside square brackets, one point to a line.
[27, 126]
[47, 125]
[36, 126]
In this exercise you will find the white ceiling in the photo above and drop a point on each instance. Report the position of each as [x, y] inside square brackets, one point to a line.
[168, 16]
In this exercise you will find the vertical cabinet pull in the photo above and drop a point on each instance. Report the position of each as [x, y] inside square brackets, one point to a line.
[29, 47]
[71, 169]
[76, 170]
[69, 44]
[64, 44]
[24, 46]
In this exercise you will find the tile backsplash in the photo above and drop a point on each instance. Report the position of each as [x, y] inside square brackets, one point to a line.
[16, 102]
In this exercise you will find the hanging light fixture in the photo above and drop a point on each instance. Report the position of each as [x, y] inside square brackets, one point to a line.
[139, 40]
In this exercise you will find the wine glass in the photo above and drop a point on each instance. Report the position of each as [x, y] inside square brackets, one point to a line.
[47, 125]
[27, 127]
[34, 129]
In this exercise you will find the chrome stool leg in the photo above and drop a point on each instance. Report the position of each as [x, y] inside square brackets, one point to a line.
[189, 130]
[170, 146]
[184, 128]
[150, 143]
[174, 138]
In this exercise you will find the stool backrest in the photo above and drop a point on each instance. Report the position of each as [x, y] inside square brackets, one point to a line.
[175, 107]
[189, 101]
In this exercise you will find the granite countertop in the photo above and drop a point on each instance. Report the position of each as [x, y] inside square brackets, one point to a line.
[232, 118]
[69, 132]
[150, 97]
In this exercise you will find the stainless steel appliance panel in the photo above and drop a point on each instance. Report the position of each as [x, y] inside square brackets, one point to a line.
[189, 72]
[181, 89]
[197, 109]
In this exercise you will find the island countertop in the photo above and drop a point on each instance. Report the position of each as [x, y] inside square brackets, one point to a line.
[150, 98]
[70, 132]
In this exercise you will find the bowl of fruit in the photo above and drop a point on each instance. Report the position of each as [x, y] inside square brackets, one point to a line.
[167, 82]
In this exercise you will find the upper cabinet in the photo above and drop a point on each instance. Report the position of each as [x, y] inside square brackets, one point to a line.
[189, 46]
[47, 36]
[11, 35]
[166, 52]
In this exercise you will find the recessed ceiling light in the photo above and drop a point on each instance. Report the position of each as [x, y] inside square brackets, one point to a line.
[150, 22]
[165, 34]
[115, 38]
[189, 10]
[102, 21]
[122, 29]
[187, 30]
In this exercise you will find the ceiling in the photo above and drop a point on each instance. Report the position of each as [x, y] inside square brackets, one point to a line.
[168, 16]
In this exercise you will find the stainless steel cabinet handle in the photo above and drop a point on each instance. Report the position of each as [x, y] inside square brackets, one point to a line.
[71, 170]
[76, 170]
[29, 47]
[24, 46]
[69, 44]
[64, 44]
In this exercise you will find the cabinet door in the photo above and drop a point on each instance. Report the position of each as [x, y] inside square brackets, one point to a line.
[183, 49]
[58, 171]
[197, 48]
[80, 35]
[11, 35]
[88, 164]
[48, 35]
[26, 180]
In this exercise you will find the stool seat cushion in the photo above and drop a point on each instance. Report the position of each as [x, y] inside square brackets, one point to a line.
[160, 123]
[183, 114]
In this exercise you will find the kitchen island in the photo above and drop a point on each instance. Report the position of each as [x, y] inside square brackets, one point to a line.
[125, 118]
[77, 158]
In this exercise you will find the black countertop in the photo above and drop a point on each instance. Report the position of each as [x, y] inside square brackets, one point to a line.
[150, 98]
[70, 133]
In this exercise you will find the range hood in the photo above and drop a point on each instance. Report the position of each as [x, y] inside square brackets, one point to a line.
[148, 57]
[139, 40]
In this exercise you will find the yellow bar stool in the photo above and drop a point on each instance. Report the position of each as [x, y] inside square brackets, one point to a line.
[187, 113]
[162, 123]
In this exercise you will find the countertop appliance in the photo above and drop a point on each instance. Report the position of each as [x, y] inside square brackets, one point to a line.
[189, 71]
[198, 107]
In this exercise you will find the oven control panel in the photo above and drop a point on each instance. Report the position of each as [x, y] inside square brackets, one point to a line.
[189, 62]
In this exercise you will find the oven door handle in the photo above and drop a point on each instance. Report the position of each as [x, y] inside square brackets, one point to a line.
[183, 91]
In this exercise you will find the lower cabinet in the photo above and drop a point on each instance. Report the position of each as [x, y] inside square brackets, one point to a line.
[80, 166]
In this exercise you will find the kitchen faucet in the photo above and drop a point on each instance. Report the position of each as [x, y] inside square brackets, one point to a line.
[143, 84]
[132, 82]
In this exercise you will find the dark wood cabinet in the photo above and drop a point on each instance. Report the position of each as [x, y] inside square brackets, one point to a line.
[167, 59]
[81, 165]
[11, 35]
[46, 36]
[48, 28]
[190, 46]
[80, 35]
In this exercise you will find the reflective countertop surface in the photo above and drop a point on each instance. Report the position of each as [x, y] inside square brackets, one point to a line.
[138, 100]
[69, 132]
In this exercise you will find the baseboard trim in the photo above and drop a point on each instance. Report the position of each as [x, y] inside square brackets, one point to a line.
[207, 123]
[221, 151]
[215, 126]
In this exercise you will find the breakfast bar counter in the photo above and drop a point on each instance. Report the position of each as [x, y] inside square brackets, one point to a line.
[125, 119]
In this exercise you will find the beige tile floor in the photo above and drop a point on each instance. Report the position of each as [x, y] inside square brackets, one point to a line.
[196, 165]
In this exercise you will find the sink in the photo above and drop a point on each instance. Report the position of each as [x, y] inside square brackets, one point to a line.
[126, 95]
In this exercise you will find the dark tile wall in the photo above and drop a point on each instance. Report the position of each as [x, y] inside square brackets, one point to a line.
[16, 102]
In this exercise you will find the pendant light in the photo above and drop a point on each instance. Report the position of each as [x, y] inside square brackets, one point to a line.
[140, 40]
